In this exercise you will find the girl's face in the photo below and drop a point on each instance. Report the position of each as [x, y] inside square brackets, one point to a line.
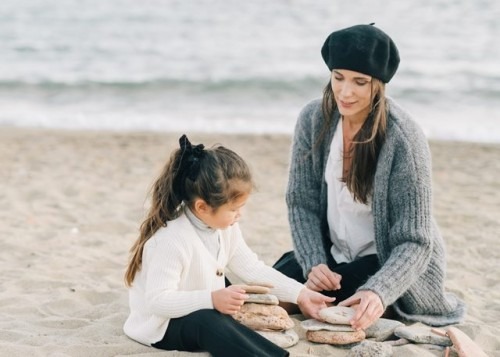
[226, 215]
[352, 92]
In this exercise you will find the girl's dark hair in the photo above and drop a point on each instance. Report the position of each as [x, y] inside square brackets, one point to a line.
[366, 143]
[216, 175]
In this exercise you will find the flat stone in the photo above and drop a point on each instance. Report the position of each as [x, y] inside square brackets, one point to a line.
[284, 339]
[260, 283]
[432, 347]
[254, 289]
[420, 333]
[382, 329]
[315, 325]
[335, 338]
[370, 349]
[463, 344]
[337, 315]
[264, 317]
[262, 299]
[399, 342]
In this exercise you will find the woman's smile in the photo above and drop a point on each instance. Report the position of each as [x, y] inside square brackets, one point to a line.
[345, 104]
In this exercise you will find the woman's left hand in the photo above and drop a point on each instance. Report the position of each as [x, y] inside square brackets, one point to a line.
[368, 308]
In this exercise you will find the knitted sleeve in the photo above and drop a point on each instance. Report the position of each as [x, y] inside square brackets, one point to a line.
[303, 193]
[404, 250]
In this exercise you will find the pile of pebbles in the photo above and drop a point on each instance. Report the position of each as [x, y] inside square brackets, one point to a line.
[261, 313]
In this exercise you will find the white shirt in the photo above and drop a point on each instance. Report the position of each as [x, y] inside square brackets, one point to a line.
[351, 223]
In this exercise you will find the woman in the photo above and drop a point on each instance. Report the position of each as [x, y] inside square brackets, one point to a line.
[359, 193]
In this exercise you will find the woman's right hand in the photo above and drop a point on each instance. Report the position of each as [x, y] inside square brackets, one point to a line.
[229, 300]
[311, 302]
[321, 278]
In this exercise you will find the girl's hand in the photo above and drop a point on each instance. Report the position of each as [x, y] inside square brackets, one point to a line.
[229, 300]
[368, 308]
[321, 278]
[310, 302]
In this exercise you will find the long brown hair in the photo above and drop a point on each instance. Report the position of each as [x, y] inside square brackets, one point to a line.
[216, 175]
[366, 143]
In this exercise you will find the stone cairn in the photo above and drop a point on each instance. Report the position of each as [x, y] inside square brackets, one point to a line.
[335, 330]
[261, 313]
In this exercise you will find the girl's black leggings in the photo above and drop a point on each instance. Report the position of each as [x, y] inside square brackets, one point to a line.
[219, 334]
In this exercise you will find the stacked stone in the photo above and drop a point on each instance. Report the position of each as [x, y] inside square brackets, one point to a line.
[261, 313]
[336, 329]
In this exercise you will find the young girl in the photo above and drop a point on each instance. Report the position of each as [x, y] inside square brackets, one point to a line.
[178, 299]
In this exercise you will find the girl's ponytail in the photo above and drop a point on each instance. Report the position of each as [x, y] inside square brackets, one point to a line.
[166, 197]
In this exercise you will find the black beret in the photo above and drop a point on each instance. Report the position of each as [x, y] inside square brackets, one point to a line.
[362, 48]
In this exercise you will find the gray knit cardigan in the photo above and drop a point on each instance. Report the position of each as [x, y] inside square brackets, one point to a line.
[409, 246]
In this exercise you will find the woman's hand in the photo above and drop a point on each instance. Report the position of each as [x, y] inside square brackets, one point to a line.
[368, 308]
[321, 278]
[229, 300]
[310, 302]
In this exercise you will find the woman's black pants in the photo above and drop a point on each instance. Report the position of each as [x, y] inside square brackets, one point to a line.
[354, 274]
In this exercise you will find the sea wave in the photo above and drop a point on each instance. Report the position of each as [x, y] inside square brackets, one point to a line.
[465, 87]
[226, 85]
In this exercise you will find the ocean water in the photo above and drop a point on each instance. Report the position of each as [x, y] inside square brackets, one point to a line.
[237, 66]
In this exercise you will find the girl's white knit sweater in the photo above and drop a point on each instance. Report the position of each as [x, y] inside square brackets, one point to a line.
[178, 275]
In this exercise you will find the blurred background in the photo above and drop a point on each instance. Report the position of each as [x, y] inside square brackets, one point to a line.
[237, 66]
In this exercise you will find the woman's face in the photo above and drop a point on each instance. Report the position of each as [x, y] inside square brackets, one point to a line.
[353, 93]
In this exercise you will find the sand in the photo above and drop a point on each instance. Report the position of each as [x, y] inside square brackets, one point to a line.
[71, 204]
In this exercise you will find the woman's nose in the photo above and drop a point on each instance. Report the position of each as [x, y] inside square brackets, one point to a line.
[346, 89]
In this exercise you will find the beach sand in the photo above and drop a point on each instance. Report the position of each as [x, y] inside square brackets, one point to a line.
[71, 204]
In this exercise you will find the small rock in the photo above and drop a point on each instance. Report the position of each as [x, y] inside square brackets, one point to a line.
[335, 338]
[260, 283]
[399, 342]
[254, 289]
[264, 317]
[420, 333]
[337, 315]
[315, 325]
[431, 347]
[382, 329]
[262, 299]
[371, 348]
[284, 339]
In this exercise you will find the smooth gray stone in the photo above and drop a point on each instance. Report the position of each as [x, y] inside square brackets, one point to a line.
[266, 299]
[420, 333]
[382, 329]
[400, 342]
[315, 325]
[284, 339]
[432, 347]
[337, 315]
[370, 349]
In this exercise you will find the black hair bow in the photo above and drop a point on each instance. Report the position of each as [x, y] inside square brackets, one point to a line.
[190, 158]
